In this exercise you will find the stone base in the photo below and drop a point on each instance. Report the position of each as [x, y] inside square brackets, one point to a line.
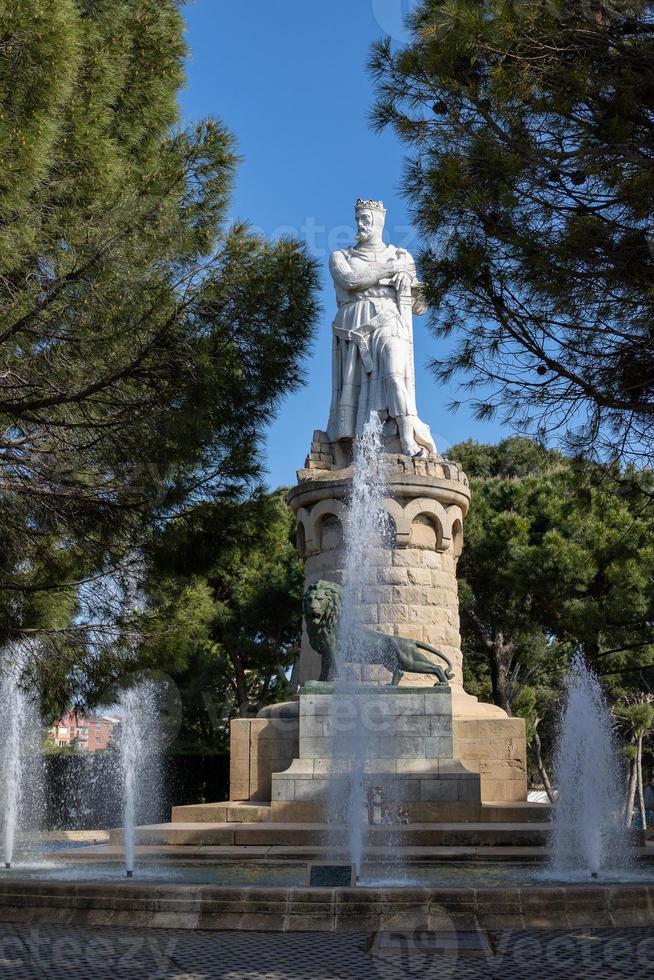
[406, 740]
[485, 741]
[444, 793]
[300, 840]
[228, 811]
[453, 812]
[328, 687]
[257, 748]
[245, 812]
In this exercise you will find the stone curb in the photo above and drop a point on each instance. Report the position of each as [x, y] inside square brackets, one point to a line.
[324, 909]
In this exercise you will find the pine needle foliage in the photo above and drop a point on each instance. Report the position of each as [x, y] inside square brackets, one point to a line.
[530, 131]
[145, 338]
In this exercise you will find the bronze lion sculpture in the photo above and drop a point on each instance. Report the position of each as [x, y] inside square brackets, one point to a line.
[322, 611]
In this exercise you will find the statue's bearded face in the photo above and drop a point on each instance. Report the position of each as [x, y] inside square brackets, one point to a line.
[370, 225]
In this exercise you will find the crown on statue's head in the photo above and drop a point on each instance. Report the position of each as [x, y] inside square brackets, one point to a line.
[362, 205]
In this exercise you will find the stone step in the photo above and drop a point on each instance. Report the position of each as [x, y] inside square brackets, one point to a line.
[319, 835]
[227, 812]
[168, 854]
[516, 812]
[246, 811]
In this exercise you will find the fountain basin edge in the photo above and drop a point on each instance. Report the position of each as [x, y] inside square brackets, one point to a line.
[323, 909]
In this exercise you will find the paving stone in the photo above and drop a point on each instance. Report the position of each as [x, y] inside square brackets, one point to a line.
[47, 952]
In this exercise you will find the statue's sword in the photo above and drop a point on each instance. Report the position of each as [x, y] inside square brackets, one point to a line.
[409, 301]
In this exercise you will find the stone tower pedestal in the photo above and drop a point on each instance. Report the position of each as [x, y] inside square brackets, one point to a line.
[416, 591]
[415, 596]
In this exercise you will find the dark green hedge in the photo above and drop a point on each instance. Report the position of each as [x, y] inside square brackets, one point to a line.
[83, 792]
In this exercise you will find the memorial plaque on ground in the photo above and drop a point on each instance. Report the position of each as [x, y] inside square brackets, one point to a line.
[331, 875]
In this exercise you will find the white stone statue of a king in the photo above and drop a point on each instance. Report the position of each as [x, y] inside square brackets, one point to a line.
[372, 347]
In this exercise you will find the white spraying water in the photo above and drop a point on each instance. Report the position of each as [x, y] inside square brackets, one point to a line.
[350, 738]
[140, 759]
[21, 759]
[588, 832]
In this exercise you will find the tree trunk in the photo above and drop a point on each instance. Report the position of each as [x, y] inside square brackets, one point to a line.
[541, 765]
[263, 691]
[641, 798]
[500, 658]
[591, 651]
[240, 685]
[500, 655]
[631, 791]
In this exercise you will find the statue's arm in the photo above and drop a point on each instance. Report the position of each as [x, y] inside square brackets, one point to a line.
[349, 276]
[407, 283]
[406, 261]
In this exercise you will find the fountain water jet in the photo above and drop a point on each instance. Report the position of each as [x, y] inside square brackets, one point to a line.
[351, 736]
[21, 762]
[588, 832]
[139, 759]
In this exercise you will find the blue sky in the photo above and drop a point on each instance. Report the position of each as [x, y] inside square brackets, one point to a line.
[288, 78]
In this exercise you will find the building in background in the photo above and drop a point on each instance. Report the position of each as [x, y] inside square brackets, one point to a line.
[86, 733]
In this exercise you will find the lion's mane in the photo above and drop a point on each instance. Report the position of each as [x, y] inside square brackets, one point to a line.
[326, 598]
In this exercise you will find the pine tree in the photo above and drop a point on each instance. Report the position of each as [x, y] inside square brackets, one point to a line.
[144, 341]
[531, 140]
[557, 561]
[226, 586]
[553, 548]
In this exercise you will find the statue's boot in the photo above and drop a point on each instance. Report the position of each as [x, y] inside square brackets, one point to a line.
[414, 434]
[423, 436]
[405, 426]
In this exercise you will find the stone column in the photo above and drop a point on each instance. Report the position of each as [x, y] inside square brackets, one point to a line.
[416, 594]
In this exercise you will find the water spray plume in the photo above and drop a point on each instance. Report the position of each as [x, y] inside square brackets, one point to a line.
[139, 758]
[21, 762]
[365, 533]
[588, 832]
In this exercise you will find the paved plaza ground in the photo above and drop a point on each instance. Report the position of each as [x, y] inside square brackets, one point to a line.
[53, 952]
